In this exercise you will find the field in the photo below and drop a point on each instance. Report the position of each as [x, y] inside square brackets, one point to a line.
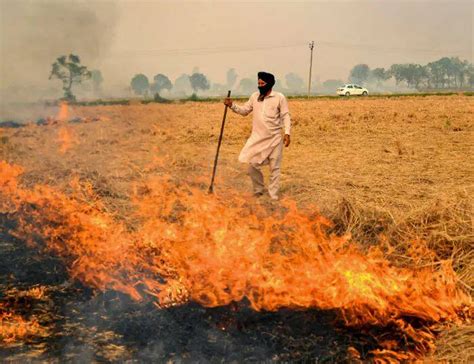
[397, 171]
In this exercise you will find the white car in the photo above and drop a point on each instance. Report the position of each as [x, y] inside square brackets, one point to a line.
[352, 89]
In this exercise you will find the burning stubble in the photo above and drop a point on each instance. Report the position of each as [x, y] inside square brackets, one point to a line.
[66, 136]
[174, 273]
[194, 247]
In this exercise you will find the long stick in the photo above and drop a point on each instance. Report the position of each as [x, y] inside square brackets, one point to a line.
[211, 187]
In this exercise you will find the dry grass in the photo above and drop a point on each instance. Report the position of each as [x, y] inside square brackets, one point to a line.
[401, 168]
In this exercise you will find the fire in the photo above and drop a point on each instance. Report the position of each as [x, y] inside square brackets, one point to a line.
[214, 250]
[37, 293]
[14, 327]
[66, 138]
[63, 113]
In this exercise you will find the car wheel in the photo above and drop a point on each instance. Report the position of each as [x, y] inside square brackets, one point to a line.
[364, 93]
[348, 93]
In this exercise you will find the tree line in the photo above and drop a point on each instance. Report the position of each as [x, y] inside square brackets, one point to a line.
[141, 85]
[445, 73]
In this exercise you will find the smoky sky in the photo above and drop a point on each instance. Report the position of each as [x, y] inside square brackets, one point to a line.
[35, 33]
[123, 38]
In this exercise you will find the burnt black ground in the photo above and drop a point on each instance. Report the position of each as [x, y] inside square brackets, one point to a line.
[89, 326]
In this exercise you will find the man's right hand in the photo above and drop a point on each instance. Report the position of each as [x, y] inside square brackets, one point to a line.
[228, 101]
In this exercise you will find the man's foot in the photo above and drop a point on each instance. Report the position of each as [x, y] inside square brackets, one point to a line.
[274, 198]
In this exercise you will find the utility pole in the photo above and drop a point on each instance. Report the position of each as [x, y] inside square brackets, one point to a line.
[311, 46]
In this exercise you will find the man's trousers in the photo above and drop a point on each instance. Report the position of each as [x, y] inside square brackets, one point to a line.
[255, 173]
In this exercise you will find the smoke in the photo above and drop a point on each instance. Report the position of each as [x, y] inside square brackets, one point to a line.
[34, 33]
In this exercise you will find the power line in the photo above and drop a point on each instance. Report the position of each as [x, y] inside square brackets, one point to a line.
[200, 51]
[239, 49]
[371, 47]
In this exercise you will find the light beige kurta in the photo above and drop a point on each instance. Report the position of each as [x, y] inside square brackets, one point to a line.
[270, 116]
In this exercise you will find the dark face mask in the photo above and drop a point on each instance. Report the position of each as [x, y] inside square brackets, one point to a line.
[264, 89]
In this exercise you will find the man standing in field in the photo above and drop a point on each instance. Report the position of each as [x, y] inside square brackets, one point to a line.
[265, 144]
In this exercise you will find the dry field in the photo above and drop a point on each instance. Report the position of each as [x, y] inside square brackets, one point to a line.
[397, 170]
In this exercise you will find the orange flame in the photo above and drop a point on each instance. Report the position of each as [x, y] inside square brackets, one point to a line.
[63, 113]
[195, 247]
[14, 328]
[67, 139]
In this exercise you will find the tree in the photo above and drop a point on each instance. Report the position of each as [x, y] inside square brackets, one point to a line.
[294, 82]
[380, 75]
[470, 76]
[199, 82]
[231, 78]
[161, 82]
[437, 74]
[442, 72]
[97, 79]
[69, 70]
[359, 74]
[460, 70]
[415, 74]
[451, 70]
[396, 70]
[411, 73]
[247, 86]
[140, 84]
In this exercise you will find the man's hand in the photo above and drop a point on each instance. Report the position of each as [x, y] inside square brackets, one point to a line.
[286, 140]
[228, 101]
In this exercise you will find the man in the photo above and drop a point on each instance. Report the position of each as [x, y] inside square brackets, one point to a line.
[265, 144]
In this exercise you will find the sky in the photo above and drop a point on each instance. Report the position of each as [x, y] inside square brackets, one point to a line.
[122, 38]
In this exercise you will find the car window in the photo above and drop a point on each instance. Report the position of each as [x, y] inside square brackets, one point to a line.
[350, 86]
[358, 87]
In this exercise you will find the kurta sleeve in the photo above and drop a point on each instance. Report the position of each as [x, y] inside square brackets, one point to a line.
[285, 114]
[245, 109]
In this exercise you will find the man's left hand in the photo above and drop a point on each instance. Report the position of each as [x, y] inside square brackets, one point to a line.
[286, 140]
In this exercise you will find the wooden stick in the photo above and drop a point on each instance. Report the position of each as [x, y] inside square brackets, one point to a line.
[211, 187]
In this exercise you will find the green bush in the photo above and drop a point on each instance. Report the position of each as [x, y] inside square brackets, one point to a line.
[102, 102]
[159, 99]
[193, 97]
